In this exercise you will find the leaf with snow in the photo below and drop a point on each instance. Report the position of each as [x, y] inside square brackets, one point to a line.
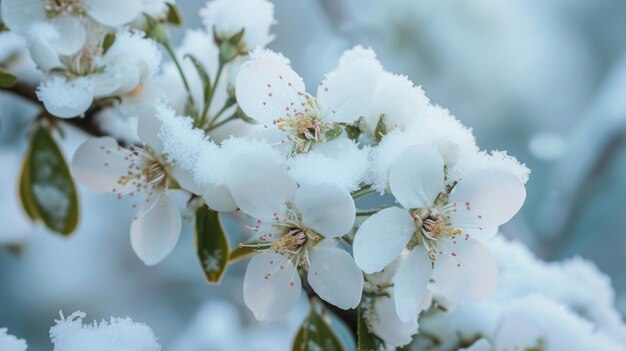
[211, 244]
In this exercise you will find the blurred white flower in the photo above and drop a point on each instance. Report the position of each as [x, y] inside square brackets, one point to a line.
[270, 92]
[291, 224]
[103, 166]
[441, 230]
[225, 18]
[9, 342]
[125, 71]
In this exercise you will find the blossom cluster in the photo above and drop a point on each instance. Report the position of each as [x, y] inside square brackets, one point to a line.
[230, 124]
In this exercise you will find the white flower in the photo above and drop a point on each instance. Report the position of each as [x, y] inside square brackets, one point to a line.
[291, 223]
[66, 15]
[228, 17]
[103, 166]
[9, 342]
[441, 230]
[125, 70]
[269, 91]
[383, 321]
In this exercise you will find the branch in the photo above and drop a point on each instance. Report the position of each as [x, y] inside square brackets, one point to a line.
[86, 124]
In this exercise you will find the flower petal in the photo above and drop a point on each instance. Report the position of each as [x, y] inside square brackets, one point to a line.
[148, 127]
[271, 297]
[42, 52]
[381, 238]
[466, 272]
[335, 277]
[155, 230]
[218, 198]
[114, 12]
[347, 92]
[483, 345]
[99, 163]
[259, 185]
[267, 89]
[416, 178]
[185, 180]
[410, 283]
[387, 325]
[486, 199]
[18, 15]
[72, 34]
[327, 209]
[66, 99]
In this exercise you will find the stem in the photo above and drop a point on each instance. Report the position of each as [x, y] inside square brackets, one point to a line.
[369, 212]
[221, 123]
[172, 54]
[364, 191]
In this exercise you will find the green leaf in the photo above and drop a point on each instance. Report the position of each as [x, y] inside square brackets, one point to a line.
[381, 128]
[315, 334]
[26, 195]
[109, 39]
[7, 79]
[50, 184]
[204, 76]
[353, 132]
[174, 16]
[333, 132]
[240, 253]
[367, 341]
[211, 244]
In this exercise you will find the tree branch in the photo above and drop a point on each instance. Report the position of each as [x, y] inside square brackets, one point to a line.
[86, 124]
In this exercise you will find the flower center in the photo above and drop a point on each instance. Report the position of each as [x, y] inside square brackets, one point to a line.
[56, 8]
[432, 225]
[146, 171]
[306, 128]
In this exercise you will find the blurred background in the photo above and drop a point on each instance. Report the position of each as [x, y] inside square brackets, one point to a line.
[544, 80]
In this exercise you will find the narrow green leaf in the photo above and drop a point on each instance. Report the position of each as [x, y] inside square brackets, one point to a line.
[211, 244]
[51, 185]
[109, 39]
[367, 341]
[26, 195]
[315, 334]
[381, 128]
[204, 76]
[240, 253]
[174, 16]
[7, 79]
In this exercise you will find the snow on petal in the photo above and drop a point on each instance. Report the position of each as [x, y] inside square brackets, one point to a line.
[271, 286]
[466, 271]
[155, 229]
[267, 88]
[381, 238]
[486, 199]
[417, 177]
[340, 162]
[120, 334]
[326, 209]
[335, 277]
[66, 99]
[410, 283]
[346, 93]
